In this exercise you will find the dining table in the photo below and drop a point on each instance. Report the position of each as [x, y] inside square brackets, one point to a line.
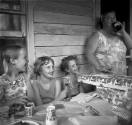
[83, 109]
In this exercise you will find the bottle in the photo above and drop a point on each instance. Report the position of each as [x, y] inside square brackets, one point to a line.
[117, 26]
[67, 83]
[51, 115]
[29, 109]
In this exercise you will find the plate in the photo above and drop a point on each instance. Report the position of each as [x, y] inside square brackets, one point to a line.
[25, 122]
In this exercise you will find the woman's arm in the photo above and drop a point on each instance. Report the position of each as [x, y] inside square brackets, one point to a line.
[90, 50]
[126, 37]
[60, 95]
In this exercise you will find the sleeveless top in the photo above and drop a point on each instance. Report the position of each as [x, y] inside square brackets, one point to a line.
[111, 52]
[46, 95]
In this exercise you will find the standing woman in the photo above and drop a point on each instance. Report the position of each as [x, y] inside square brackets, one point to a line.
[106, 49]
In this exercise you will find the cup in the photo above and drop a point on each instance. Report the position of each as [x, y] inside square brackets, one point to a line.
[29, 109]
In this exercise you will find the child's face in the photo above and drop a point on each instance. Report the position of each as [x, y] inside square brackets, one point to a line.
[73, 67]
[48, 69]
[21, 60]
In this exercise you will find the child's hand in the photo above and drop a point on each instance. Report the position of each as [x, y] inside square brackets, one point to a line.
[64, 92]
[20, 100]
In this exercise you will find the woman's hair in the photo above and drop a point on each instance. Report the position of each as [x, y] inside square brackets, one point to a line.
[100, 20]
[11, 52]
[65, 63]
[40, 62]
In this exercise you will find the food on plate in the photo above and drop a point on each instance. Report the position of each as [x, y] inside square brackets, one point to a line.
[25, 122]
[116, 82]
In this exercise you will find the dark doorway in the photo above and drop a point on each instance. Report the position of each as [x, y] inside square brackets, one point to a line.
[122, 9]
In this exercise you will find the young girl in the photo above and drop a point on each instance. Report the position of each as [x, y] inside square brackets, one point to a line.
[14, 86]
[47, 89]
[70, 67]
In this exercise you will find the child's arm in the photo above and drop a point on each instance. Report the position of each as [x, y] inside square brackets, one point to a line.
[30, 90]
[60, 95]
[81, 89]
[37, 98]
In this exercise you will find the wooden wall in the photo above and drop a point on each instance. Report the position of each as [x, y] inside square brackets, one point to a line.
[59, 28]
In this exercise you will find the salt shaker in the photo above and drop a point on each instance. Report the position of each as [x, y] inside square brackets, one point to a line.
[51, 118]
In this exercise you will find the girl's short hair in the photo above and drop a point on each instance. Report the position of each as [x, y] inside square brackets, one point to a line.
[11, 51]
[44, 60]
[65, 63]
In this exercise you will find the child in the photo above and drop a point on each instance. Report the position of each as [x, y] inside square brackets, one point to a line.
[70, 67]
[46, 88]
[14, 87]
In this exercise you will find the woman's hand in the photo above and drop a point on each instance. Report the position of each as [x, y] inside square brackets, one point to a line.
[64, 92]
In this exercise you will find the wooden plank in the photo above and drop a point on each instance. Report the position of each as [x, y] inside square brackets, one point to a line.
[96, 11]
[23, 18]
[64, 8]
[131, 18]
[58, 51]
[82, 3]
[13, 12]
[97, 8]
[11, 34]
[62, 29]
[58, 40]
[30, 33]
[58, 60]
[58, 18]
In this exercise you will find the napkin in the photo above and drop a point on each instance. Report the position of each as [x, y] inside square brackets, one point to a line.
[94, 120]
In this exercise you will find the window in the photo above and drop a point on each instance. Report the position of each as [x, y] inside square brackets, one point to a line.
[12, 18]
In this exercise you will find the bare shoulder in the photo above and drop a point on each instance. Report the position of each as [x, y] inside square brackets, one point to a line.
[92, 39]
[93, 36]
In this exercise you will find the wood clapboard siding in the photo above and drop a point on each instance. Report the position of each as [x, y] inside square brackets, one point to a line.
[58, 40]
[62, 29]
[65, 8]
[59, 58]
[58, 18]
[59, 51]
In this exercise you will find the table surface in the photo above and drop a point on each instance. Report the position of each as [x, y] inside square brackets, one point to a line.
[77, 113]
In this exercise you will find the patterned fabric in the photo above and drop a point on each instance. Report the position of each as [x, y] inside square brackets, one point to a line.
[111, 53]
[11, 90]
